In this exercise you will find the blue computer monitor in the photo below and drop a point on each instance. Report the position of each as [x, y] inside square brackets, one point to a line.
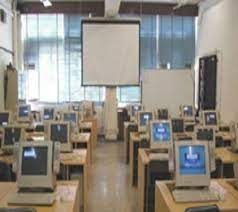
[135, 109]
[210, 118]
[4, 118]
[161, 134]
[188, 111]
[48, 114]
[145, 118]
[24, 111]
[192, 160]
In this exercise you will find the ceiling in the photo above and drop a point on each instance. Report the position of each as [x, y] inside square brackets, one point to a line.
[155, 1]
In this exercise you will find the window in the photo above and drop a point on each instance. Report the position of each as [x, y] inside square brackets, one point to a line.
[52, 55]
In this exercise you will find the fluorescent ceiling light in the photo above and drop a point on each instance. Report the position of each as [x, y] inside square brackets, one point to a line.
[46, 3]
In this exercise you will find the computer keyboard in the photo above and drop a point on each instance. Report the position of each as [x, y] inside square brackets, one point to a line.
[18, 210]
[159, 156]
[32, 199]
[194, 195]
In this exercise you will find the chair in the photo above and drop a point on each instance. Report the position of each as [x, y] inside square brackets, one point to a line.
[5, 172]
[218, 172]
[157, 170]
[210, 208]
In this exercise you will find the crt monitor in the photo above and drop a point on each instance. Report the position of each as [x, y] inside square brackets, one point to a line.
[24, 112]
[36, 165]
[134, 109]
[48, 114]
[192, 164]
[144, 117]
[11, 135]
[177, 125]
[160, 134]
[4, 118]
[60, 131]
[187, 111]
[162, 114]
[210, 118]
[70, 117]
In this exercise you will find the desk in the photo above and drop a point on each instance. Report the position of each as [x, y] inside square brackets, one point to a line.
[178, 136]
[143, 161]
[83, 140]
[133, 159]
[78, 158]
[128, 128]
[164, 199]
[63, 187]
[94, 130]
[35, 136]
[228, 158]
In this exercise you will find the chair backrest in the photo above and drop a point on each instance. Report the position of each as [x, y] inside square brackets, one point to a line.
[209, 208]
[5, 172]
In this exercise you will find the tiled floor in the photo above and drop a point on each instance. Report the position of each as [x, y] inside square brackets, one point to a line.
[110, 190]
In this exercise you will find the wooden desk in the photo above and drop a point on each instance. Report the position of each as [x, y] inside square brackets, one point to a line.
[127, 131]
[63, 189]
[143, 161]
[35, 136]
[226, 156]
[133, 161]
[226, 135]
[164, 199]
[178, 136]
[94, 130]
[83, 140]
[78, 158]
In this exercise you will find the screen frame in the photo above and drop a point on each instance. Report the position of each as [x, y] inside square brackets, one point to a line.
[143, 128]
[162, 109]
[43, 113]
[9, 117]
[192, 180]
[187, 118]
[70, 112]
[64, 147]
[110, 21]
[5, 146]
[161, 144]
[204, 118]
[25, 118]
[32, 181]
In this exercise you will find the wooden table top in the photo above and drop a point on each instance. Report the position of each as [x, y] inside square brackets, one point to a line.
[66, 196]
[226, 155]
[230, 202]
[81, 138]
[77, 157]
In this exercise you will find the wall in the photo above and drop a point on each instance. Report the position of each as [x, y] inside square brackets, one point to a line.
[6, 42]
[167, 89]
[218, 32]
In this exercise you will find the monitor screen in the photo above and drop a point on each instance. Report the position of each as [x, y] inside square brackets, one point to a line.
[23, 111]
[192, 160]
[188, 111]
[34, 160]
[12, 135]
[70, 117]
[163, 114]
[144, 118]
[76, 108]
[161, 132]
[205, 134]
[178, 125]
[4, 119]
[59, 132]
[134, 109]
[210, 118]
[48, 114]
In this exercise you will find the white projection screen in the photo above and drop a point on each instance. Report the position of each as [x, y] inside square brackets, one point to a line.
[110, 52]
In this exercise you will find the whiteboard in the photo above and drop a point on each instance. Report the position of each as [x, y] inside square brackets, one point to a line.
[110, 52]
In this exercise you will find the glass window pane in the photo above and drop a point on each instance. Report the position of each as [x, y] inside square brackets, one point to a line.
[130, 94]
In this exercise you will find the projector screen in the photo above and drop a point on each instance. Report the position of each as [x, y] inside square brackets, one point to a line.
[111, 52]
